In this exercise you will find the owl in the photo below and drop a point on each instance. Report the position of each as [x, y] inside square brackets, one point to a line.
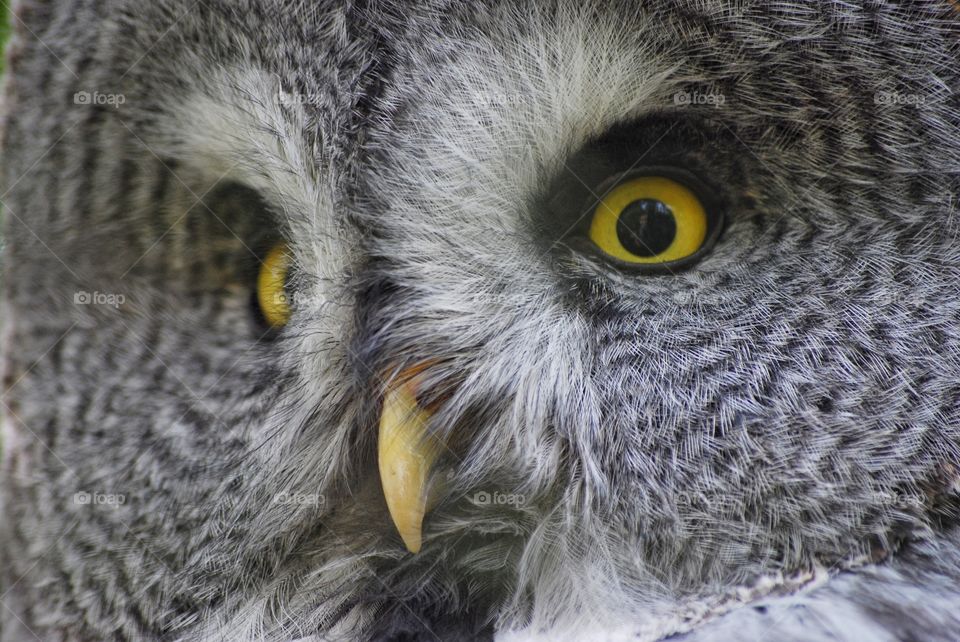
[555, 320]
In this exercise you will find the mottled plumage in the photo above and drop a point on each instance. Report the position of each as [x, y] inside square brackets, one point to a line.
[766, 443]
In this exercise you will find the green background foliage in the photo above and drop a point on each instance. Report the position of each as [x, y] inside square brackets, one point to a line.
[4, 29]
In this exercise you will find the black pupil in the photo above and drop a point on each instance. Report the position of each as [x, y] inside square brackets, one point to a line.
[646, 227]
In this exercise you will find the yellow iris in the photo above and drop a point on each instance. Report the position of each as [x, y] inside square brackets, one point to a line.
[651, 219]
[271, 282]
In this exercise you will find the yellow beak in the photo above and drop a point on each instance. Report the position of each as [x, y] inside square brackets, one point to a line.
[406, 455]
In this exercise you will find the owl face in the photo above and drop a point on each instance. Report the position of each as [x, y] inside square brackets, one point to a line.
[438, 320]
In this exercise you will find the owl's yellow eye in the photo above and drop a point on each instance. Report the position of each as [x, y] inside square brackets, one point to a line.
[271, 281]
[650, 219]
